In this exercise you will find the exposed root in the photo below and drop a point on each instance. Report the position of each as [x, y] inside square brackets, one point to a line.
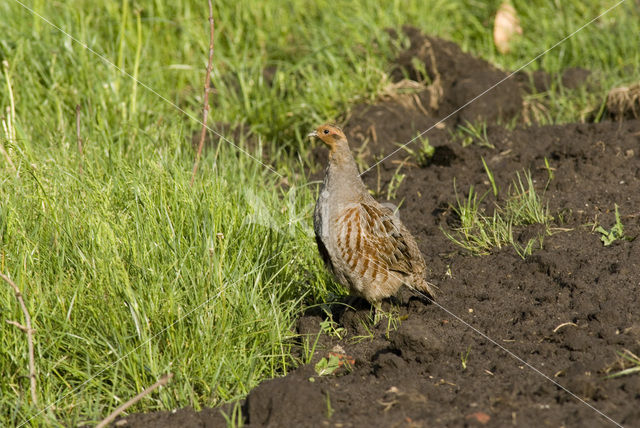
[534, 111]
[435, 88]
[624, 102]
[405, 92]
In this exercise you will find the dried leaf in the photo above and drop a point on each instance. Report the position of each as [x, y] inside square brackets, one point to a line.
[505, 26]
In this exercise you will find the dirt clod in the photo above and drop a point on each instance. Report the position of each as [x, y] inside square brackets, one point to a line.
[299, 403]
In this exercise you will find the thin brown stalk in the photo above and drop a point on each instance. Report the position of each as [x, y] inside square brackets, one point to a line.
[27, 329]
[163, 381]
[78, 137]
[205, 107]
[17, 324]
[6, 155]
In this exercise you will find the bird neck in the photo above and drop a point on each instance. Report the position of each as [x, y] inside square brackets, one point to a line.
[343, 172]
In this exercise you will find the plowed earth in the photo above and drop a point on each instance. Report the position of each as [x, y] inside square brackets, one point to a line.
[568, 310]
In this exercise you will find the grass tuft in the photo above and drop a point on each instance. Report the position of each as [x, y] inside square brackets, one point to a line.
[480, 233]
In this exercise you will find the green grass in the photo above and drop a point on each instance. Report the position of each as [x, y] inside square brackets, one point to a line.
[616, 232]
[474, 134]
[129, 272]
[629, 362]
[421, 152]
[135, 264]
[480, 233]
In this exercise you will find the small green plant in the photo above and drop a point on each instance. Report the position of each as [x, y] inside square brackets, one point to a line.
[421, 70]
[329, 408]
[327, 366]
[308, 348]
[475, 133]
[492, 180]
[524, 204]
[616, 233]
[464, 357]
[479, 233]
[628, 358]
[329, 327]
[394, 184]
[550, 170]
[392, 316]
[423, 153]
[235, 419]
[473, 233]
[368, 328]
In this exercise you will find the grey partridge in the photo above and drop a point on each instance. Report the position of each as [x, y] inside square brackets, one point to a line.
[364, 245]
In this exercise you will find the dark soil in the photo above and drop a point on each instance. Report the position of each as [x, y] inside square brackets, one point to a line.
[567, 310]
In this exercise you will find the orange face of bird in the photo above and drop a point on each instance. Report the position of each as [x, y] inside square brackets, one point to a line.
[329, 134]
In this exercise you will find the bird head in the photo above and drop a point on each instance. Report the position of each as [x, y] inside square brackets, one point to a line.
[331, 135]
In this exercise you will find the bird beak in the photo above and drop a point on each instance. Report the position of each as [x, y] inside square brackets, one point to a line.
[313, 134]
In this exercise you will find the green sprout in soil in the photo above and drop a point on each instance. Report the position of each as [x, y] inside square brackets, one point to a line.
[393, 319]
[423, 154]
[492, 179]
[616, 232]
[479, 233]
[331, 328]
[327, 327]
[329, 408]
[308, 348]
[394, 184]
[475, 133]
[236, 418]
[464, 357]
[630, 364]
[327, 366]
[549, 170]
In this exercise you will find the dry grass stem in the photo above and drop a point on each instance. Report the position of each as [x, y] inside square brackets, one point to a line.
[564, 324]
[405, 92]
[435, 88]
[624, 101]
[163, 381]
[17, 324]
[205, 107]
[27, 329]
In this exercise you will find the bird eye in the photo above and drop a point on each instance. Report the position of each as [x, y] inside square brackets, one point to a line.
[326, 132]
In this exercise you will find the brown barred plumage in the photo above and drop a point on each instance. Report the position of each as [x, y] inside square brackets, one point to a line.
[363, 243]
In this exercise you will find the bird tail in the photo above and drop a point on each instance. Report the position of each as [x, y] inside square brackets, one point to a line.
[424, 288]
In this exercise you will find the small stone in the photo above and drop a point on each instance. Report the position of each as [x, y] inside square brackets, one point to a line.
[481, 417]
